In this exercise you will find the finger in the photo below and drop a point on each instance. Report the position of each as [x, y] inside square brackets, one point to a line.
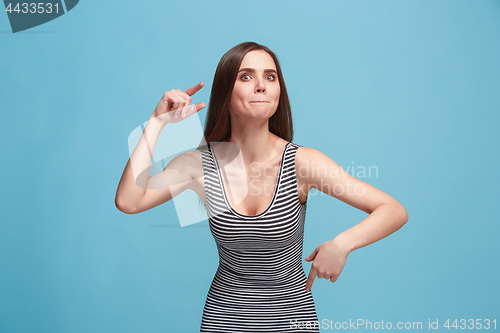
[178, 101]
[191, 91]
[166, 102]
[334, 278]
[195, 108]
[166, 99]
[185, 102]
[312, 255]
[174, 103]
[310, 278]
[188, 110]
[199, 106]
[183, 112]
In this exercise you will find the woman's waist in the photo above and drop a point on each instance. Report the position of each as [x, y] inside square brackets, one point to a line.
[260, 274]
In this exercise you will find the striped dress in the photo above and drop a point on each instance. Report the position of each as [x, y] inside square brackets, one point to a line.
[260, 283]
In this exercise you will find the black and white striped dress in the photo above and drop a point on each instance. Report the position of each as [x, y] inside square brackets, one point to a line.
[260, 283]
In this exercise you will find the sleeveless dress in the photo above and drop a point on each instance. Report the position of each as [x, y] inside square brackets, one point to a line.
[260, 283]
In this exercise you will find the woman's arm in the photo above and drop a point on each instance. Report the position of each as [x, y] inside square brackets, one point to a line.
[386, 214]
[137, 191]
[133, 184]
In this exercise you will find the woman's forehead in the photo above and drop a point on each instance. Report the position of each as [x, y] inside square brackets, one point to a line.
[258, 59]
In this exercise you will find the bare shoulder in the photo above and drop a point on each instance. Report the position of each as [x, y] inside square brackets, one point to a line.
[305, 159]
[189, 162]
[305, 155]
[192, 156]
[309, 161]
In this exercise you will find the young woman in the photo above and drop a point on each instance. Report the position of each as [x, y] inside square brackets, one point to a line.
[254, 182]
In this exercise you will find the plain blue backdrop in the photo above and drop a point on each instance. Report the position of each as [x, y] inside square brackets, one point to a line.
[411, 87]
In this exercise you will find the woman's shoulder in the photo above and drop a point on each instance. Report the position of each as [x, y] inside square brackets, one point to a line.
[305, 154]
[308, 162]
[187, 161]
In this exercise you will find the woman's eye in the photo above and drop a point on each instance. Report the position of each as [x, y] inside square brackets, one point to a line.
[246, 77]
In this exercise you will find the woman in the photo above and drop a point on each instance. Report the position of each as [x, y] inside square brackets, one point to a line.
[254, 182]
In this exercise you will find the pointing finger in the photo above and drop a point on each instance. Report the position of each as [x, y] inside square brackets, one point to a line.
[191, 91]
[310, 278]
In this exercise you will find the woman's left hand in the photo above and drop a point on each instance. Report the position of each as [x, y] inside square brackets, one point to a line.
[328, 261]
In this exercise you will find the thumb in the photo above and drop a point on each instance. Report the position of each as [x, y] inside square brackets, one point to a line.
[199, 106]
[312, 255]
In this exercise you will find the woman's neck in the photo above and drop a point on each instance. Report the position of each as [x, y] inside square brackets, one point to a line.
[256, 142]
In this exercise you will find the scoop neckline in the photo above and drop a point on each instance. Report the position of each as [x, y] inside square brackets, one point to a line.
[276, 188]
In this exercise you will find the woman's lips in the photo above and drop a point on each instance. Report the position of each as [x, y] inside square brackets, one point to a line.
[259, 102]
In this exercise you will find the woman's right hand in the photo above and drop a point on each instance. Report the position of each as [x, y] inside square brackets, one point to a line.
[174, 105]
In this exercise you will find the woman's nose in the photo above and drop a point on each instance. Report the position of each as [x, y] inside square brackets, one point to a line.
[260, 86]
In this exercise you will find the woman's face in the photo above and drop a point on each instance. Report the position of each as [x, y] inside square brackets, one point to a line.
[256, 91]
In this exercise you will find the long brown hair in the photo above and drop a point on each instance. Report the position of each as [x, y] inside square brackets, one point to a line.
[217, 123]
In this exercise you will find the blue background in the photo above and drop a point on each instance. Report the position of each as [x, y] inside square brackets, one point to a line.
[411, 87]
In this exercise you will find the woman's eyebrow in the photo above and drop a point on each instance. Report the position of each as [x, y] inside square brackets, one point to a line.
[251, 70]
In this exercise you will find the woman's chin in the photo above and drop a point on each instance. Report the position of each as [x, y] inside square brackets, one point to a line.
[262, 114]
[257, 113]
